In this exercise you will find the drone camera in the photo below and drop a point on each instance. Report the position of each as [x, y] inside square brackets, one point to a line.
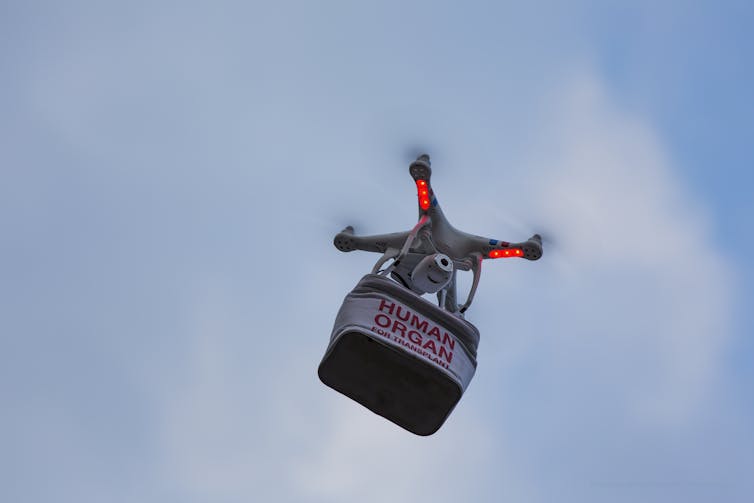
[432, 273]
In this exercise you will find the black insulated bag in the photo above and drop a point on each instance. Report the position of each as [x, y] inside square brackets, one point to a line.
[399, 355]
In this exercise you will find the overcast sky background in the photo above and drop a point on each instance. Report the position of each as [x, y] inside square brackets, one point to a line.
[172, 175]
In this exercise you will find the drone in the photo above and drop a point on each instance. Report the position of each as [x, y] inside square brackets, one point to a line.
[401, 356]
[426, 258]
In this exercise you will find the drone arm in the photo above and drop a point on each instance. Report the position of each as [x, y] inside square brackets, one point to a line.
[531, 249]
[346, 241]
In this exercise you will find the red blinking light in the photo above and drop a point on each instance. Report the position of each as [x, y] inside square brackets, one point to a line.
[423, 193]
[514, 252]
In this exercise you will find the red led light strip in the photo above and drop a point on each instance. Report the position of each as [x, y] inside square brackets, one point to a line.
[513, 252]
[422, 192]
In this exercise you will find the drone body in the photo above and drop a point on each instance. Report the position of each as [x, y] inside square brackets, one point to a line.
[393, 351]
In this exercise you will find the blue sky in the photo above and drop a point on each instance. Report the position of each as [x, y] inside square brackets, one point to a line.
[173, 175]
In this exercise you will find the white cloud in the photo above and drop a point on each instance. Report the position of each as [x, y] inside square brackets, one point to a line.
[640, 248]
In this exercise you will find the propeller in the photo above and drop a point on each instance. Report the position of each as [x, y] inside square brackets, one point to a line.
[413, 151]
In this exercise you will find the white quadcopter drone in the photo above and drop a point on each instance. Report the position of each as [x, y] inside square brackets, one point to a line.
[393, 351]
[426, 258]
